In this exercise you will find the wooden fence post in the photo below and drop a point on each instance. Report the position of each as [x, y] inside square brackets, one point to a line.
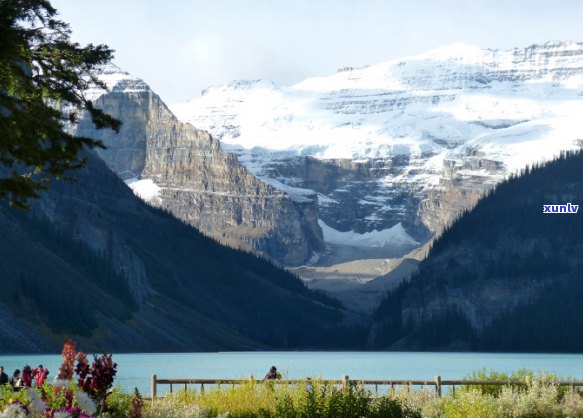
[345, 382]
[154, 387]
[438, 385]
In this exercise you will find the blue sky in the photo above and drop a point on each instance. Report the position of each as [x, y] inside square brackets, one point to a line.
[180, 47]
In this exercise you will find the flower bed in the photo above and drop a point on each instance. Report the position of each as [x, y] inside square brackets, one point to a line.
[81, 390]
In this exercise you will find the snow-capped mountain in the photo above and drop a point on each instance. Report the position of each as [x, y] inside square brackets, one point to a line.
[407, 143]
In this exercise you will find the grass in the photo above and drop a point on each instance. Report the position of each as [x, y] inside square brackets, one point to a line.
[539, 396]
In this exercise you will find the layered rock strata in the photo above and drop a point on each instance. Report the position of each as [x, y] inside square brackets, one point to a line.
[184, 170]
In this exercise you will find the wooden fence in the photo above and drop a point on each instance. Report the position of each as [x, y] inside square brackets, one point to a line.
[437, 382]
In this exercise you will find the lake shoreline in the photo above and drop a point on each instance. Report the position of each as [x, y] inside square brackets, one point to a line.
[136, 370]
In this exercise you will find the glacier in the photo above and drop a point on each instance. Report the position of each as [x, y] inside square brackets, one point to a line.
[457, 116]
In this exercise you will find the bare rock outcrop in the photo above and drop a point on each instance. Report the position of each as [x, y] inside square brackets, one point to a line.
[186, 172]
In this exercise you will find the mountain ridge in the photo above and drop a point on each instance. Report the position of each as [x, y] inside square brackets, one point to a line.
[184, 170]
[332, 140]
[414, 141]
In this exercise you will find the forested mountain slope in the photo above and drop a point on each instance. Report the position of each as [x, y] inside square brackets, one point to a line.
[92, 261]
[505, 276]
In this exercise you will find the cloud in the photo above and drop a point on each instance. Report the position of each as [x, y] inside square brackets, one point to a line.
[203, 49]
[217, 59]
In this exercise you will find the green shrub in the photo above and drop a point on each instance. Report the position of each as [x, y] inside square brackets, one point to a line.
[538, 397]
[246, 400]
[119, 404]
[385, 407]
[572, 404]
[424, 403]
[310, 399]
[471, 405]
[522, 375]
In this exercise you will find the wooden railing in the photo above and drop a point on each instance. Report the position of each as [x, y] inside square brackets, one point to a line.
[437, 382]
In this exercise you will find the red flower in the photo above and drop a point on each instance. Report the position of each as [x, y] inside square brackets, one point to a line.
[68, 353]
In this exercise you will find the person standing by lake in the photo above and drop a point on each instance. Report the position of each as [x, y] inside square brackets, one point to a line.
[16, 381]
[40, 374]
[3, 376]
[27, 376]
[272, 374]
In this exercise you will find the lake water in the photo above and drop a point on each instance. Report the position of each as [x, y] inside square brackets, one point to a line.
[135, 370]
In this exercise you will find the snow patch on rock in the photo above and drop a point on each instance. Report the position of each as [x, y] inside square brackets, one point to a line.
[145, 189]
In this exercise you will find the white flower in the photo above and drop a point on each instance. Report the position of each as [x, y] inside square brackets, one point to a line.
[62, 383]
[85, 403]
[61, 414]
[36, 405]
[13, 410]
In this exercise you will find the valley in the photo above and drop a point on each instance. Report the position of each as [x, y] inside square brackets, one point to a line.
[405, 145]
[338, 178]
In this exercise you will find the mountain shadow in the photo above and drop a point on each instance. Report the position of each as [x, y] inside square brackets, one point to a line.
[91, 261]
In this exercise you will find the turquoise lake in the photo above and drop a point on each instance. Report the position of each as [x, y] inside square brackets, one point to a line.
[135, 370]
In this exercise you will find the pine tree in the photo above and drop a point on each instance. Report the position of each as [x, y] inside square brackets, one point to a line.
[43, 80]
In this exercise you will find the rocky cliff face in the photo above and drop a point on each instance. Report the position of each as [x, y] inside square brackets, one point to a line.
[184, 170]
[414, 141]
[208, 188]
